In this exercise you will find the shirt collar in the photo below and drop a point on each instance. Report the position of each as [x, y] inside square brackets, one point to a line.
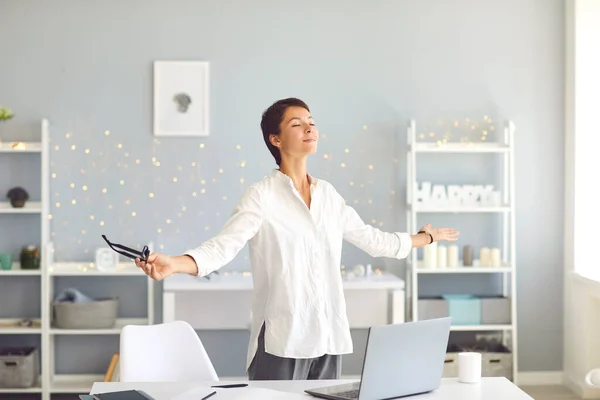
[280, 175]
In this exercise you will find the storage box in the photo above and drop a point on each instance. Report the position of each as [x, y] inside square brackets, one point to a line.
[496, 361]
[464, 309]
[451, 362]
[430, 308]
[19, 367]
[100, 314]
[495, 310]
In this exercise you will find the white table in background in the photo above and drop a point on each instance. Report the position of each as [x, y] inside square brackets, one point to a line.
[224, 302]
[451, 389]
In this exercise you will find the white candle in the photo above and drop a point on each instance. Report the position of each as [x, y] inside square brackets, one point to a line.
[442, 257]
[430, 255]
[495, 257]
[452, 256]
[484, 257]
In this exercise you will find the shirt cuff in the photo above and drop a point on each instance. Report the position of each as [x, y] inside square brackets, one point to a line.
[405, 245]
[202, 261]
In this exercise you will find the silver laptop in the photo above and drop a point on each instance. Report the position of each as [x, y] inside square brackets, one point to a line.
[400, 360]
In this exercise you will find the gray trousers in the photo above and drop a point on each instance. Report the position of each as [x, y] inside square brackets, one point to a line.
[265, 366]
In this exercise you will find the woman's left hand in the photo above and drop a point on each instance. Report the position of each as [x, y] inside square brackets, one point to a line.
[441, 234]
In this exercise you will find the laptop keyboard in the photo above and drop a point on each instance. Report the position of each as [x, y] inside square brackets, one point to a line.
[350, 394]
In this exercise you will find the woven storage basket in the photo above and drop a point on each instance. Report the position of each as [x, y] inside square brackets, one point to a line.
[99, 314]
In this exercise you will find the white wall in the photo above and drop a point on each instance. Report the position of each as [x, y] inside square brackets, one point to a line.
[582, 294]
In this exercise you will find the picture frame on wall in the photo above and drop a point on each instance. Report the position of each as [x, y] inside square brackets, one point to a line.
[181, 98]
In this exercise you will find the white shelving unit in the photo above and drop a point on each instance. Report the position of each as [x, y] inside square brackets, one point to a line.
[50, 269]
[81, 383]
[505, 148]
[39, 206]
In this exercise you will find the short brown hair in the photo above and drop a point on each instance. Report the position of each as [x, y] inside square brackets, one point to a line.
[271, 121]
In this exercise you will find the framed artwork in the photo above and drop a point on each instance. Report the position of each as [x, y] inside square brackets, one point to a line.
[181, 98]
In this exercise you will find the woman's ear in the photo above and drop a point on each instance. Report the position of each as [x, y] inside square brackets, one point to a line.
[275, 140]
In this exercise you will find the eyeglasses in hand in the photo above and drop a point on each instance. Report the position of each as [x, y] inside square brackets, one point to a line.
[132, 253]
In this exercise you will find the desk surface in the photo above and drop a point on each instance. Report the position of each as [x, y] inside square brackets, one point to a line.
[487, 389]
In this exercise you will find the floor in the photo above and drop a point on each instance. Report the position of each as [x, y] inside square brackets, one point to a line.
[550, 393]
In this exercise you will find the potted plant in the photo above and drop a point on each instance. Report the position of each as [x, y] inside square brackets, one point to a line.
[18, 196]
[5, 114]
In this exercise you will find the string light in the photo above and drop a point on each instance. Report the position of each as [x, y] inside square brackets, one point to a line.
[114, 159]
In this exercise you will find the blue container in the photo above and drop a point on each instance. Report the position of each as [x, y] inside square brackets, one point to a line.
[464, 309]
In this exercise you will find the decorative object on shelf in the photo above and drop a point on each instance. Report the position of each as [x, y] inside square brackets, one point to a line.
[453, 256]
[468, 256]
[19, 146]
[181, 98]
[30, 257]
[430, 255]
[106, 259]
[18, 197]
[427, 194]
[21, 323]
[6, 261]
[484, 257]
[442, 256]
[359, 270]
[75, 310]
[495, 260]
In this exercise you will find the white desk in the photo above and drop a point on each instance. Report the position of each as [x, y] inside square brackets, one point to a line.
[451, 389]
[224, 301]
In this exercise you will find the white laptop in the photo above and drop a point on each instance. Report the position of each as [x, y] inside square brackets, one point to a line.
[400, 360]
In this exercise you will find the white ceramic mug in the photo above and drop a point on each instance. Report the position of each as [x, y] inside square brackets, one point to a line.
[469, 367]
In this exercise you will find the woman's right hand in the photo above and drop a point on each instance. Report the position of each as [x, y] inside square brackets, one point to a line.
[158, 267]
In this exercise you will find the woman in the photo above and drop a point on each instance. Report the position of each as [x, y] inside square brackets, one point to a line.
[294, 225]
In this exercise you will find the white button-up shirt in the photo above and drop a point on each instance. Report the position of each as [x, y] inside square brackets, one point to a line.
[295, 255]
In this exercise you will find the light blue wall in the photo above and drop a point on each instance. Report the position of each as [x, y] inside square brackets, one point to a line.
[87, 66]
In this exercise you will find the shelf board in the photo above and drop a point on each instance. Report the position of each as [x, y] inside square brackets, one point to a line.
[80, 384]
[28, 147]
[497, 327]
[17, 271]
[31, 207]
[465, 270]
[37, 388]
[120, 323]
[8, 326]
[435, 147]
[89, 269]
[432, 209]
[475, 269]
